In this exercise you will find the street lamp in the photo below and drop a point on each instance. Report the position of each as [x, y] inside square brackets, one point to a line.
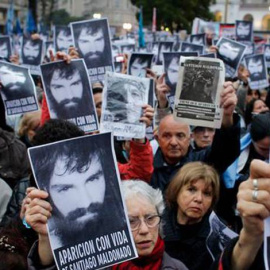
[96, 15]
[127, 26]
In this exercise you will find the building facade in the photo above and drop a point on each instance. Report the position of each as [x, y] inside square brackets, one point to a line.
[20, 11]
[255, 10]
[118, 12]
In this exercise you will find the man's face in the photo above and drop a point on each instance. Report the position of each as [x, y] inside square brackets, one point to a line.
[255, 68]
[78, 196]
[138, 68]
[228, 51]
[203, 136]
[11, 80]
[173, 139]
[262, 147]
[31, 52]
[243, 29]
[135, 99]
[4, 50]
[63, 41]
[67, 92]
[91, 44]
[173, 71]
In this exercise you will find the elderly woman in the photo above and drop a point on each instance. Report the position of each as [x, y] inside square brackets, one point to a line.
[193, 233]
[144, 206]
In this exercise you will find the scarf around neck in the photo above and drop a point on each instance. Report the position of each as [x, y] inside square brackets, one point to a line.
[150, 262]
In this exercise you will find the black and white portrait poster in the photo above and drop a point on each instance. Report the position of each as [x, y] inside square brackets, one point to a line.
[250, 48]
[209, 55]
[267, 54]
[31, 54]
[115, 50]
[231, 52]
[62, 38]
[123, 98]
[49, 46]
[199, 39]
[189, 47]
[244, 31]
[266, 245]
[5, 48]
[17, 89]
[197, 98]
[92, 39]
[256, 66]
[82, 179]
[171, 67]
[164, 46]
[69, 94]
[218, 231]
[128, 48]
[138, 63]
[227, 30]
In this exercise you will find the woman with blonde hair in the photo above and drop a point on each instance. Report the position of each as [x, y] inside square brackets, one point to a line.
[193, 233]
[28, 125]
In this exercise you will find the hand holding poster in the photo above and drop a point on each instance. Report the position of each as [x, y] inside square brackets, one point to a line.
[17, 89]
[93, 42]
[82, 180]
[123, 98]
[69, 93]
[197, 98]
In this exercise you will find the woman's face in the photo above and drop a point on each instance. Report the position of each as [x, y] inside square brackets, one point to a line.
[145, 238]
[194, 200]
[259, 106]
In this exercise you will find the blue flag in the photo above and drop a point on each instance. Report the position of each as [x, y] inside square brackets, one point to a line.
[18, 29]
[141, 34]
[30, 23]
[9, 20]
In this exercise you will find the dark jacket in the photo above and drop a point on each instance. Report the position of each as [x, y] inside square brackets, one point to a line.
[14, 163]
[224, 150]
[197, 245]
[224, 262]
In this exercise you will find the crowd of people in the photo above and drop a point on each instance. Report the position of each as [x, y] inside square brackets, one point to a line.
[196, 197]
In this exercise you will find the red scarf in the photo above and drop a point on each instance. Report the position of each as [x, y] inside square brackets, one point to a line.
[150, 262]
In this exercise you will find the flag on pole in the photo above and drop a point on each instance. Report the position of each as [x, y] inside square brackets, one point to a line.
[18, 29]
[141, 34]
[154, 20]
[30, 23]
[9, 20]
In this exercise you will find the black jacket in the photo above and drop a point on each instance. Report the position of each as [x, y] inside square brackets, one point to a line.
[224, 150]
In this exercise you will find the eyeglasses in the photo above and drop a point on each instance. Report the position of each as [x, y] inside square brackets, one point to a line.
[151, 222]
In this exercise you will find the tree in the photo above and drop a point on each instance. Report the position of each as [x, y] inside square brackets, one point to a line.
[62, 17]
[175, 14]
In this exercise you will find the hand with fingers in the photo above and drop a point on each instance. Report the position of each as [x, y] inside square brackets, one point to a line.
[228, 101]
[38, 210]
[148, 114]
[162, 89]
[254, 206]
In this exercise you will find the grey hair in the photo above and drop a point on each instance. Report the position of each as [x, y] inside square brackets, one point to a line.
[139, 187]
